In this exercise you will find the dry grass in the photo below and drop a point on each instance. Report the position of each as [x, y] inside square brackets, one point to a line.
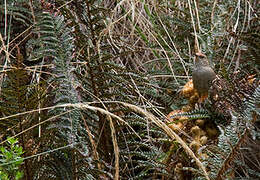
[150, 46]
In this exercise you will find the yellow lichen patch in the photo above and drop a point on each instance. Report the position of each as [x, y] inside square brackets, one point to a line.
[203, 140]
[197, 133]
[200, 122]
[194, 98]
[208, 127]
[251, 79]
[188, 89]
[199, 139]
[187, 108]
[191, 94]
[176, 122]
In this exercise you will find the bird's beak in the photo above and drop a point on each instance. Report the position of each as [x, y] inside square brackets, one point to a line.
[199, 54]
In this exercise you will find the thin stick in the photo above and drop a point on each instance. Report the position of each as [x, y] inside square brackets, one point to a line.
[197, 48]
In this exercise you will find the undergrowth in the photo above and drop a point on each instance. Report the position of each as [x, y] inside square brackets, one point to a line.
[86, 87]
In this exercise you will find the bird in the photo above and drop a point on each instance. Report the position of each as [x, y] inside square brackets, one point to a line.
[202, 76]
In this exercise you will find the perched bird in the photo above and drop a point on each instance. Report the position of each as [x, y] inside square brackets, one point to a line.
[202, 76]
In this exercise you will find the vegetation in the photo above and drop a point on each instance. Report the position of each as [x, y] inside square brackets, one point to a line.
[98, 89]
[11, 160]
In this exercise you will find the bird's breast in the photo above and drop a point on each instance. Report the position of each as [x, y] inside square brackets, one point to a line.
[202, 77]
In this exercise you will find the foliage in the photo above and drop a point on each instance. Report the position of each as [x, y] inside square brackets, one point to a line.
[232, 137]
[78, 63]
[11, 160]
[20, 94]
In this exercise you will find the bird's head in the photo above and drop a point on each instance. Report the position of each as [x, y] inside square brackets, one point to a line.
[201, 59]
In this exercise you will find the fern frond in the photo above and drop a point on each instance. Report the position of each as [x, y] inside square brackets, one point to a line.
[194, 114]
[233, 137]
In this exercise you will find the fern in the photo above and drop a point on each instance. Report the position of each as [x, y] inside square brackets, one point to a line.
[195, 114]
[20, 95]
[232, 137]
[143, 157]
[45, 42]
[19, 17]
[100, 77]
[105, 52]
[67, 128]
